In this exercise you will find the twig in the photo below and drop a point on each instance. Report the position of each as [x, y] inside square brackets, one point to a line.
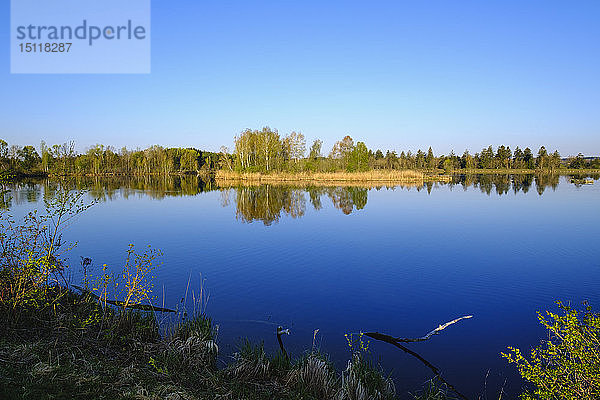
[433, 332]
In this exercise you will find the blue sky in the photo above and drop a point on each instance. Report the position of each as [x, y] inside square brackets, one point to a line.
[397, 75]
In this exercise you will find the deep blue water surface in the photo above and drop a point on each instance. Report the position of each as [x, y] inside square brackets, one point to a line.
[394, 260]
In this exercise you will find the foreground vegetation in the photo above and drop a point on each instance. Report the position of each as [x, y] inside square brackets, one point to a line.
[567, 364]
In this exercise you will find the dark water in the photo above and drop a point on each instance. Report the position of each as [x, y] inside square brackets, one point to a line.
[397, 260]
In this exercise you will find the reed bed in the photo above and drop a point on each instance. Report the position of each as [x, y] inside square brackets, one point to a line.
[403, 176]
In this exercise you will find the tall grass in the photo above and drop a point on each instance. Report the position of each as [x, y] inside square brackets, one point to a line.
[400, 176]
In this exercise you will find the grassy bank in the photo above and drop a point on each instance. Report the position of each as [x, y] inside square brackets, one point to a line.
[72, 347]
[374, 176]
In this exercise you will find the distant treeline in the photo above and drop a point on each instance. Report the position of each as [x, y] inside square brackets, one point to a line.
[103, 160]
[265, 151]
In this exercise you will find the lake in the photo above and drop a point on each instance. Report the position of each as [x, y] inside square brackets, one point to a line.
[394, 259]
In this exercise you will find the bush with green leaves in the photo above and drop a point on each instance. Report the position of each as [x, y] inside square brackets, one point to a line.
[32, 251]
[567, 365]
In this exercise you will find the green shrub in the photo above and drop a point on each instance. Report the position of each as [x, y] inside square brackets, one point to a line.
[567, 365]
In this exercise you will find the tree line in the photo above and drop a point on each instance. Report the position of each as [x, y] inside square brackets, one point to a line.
[103, 160]
[267, 151]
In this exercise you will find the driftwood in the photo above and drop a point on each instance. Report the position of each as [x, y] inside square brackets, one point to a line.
[397, 340]
[421, 339]
[143, 307]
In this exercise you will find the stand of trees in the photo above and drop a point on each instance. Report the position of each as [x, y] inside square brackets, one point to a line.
[267, 151]
[104, 160]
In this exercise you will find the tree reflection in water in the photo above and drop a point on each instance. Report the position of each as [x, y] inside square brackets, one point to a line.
[265, 203]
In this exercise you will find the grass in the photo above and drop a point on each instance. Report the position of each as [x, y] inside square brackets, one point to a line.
[75, 349]
[369, 178]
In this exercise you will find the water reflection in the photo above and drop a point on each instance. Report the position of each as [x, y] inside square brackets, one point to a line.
[502, 184]
[267, 203]
[108, 188]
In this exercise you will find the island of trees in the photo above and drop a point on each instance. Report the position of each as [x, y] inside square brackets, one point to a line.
[265, 151]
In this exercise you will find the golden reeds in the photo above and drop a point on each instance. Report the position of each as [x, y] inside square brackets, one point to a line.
[382, 176]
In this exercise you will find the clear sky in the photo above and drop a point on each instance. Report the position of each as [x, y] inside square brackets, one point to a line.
[397, 75]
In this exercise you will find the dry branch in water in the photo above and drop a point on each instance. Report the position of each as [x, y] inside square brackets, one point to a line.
[397, 340]
[430, 334]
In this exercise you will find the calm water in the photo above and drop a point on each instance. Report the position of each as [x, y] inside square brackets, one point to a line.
[398, 260]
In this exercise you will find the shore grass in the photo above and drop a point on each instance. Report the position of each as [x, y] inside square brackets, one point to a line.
[73, 348]
[382, 176]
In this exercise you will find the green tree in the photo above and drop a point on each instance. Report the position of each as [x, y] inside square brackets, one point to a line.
[189, 160]
[528, 160]
[4, 157]
[486, 158]
[358, 158]
[503, 156]
[315, 149]
[518, 158]
[268, 148]
[420, 159]
[555, 160]
[391, 159]
[577, 162]
[430, 159]
[29, 158]
[467, 161]
[341, 151]
[542, 158]
[294, 145]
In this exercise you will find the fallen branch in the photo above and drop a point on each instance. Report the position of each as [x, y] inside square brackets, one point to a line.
[426, 337]
[397, 340]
